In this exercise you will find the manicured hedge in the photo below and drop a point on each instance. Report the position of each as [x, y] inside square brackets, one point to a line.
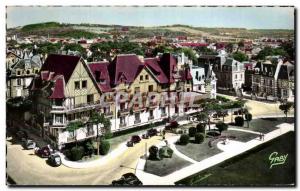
[239, 121]
[165, 152]
[153, 153]
[199, 138]
[201, 128]
[104, 147]
[184, 139]
[192, 131]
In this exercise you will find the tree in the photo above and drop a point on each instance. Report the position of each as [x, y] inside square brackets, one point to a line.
[221, 126]
[96, 119]
[184, 139]
[73, 126]
[75, 47]
[229, 47]
[239, 56]
[285, 107]
[210, 107]
[248, 117]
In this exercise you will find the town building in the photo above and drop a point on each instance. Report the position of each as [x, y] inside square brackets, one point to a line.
[20, 72]
[68, 89]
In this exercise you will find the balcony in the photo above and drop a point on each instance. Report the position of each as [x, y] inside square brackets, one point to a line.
[123, 124]
[151, 118]
[124, 111]
[90, 133]
[136, 121]
[82, 107]
[163, 114]
[108, 114]
[71, 139]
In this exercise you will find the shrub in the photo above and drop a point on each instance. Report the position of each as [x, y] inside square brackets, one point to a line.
[77, 153]
[192, 131]
[104, 147]
[221, 126]
[108, 135]
[184, 139]
[89, 148]
[239, 121]
[68, 154]
[165, 152]
[199, 138]
[153, 153]
[201, 128]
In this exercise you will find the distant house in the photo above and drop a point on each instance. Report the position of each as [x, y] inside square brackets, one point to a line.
[20, 74]
[274, 80]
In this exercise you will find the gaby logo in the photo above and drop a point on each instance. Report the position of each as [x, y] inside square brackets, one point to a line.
[275, 159]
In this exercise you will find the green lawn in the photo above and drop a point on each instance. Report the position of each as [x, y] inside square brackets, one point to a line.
[166, 165]
[198, 152]
[240, 135]
[251, 168]
[265, 125]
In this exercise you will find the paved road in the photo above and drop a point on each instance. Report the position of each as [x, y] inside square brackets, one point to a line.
[28, 169]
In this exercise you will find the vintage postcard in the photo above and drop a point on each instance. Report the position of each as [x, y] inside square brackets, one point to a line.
[150, 96]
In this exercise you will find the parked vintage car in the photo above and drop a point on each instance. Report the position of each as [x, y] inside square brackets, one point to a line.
[172, 125]
[54, 160]
[152, 132]
[43, 152]
[22, 135]
[28, 144]
[135, 139]
[128, 179]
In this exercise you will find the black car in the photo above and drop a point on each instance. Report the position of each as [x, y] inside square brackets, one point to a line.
[152, 132]
[22, 135]
[54, 160]
[128, 179]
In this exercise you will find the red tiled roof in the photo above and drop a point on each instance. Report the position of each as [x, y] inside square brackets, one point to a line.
[61, 65]
[58, 90]
[193, 44]
[153, 66]
[101, 69]
[185, 75]
[124, 68]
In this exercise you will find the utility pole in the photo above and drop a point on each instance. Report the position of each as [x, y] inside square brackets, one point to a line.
[146, 156]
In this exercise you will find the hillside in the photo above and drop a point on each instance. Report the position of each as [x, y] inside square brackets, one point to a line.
[95, 30]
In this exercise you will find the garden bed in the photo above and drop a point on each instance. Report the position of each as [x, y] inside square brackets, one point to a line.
[265, 125]
[240, 135]
[166, 165]
[198, 152]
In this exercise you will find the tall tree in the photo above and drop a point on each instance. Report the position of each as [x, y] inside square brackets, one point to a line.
[97, 118]
[285, 107]
[73, 126]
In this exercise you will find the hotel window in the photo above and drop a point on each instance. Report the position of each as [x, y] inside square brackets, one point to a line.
[150, 88]
[18, 73]
[18, 82]
[136, 89]
[146, 77]
[28, 72]
[59, 118]
[84, 84]
[77, 85]
[90, 98]
[236, 76]
[141, 78]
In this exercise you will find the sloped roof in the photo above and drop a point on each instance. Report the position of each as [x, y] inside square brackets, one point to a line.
[286, 71]
[124, 68]
[58, 89]
[155, 69]
[61, 65]
[104, 78]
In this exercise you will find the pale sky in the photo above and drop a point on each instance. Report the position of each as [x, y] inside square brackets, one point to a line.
[242, 17]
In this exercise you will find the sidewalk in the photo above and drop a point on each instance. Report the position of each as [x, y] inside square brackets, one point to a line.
[232, 149]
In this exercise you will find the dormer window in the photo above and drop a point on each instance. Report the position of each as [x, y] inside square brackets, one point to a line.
[141, 78]
[102, 81]
[28, 72]
[18, 73]
[146, 77]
